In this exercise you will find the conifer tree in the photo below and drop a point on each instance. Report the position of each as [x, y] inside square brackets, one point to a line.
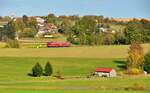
[48, 69]
[37, 70]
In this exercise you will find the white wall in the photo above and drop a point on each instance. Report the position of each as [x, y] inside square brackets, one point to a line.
[111, 74]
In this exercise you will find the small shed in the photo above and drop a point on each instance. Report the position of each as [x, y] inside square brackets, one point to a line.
[105, 72]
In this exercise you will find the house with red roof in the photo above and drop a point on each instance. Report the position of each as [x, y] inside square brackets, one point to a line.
[105, 72]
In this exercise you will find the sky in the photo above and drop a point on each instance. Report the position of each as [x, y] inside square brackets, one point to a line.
[107, 8]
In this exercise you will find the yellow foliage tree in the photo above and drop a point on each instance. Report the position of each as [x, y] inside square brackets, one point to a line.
[135, 59]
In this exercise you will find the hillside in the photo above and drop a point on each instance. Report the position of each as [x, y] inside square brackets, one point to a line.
[128, 19]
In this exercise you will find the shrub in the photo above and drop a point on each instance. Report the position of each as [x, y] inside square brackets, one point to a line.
[59, 75]
[28, 32]
[138, 86]
[12, 43]
[134, 71]
[48, 69]
[37, 70]
[147, 62]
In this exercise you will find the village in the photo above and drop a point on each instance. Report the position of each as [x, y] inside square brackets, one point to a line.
[74, 46]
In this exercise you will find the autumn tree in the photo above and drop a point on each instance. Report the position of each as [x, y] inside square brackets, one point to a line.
[135, 59]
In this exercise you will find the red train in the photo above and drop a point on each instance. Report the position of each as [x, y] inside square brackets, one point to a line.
[58, 44]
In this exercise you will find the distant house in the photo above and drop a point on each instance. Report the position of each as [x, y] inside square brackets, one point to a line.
[40, 20]
[46, 29]
[105, 72]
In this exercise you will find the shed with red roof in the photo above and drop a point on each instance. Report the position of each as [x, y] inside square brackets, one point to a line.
[105, 72]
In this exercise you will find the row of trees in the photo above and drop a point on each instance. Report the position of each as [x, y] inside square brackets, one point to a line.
[37, 70]
[137, 31]
[86, 30]
[20, 27]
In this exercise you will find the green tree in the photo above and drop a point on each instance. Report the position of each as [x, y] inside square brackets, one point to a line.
[133, 32]
[32, 23]
[108, 39]
[9, 31]
[48, 69]
[83, 30]
[51, 18]
[25, 19]
[37, 70]
[28, 32]
[145, 27]
[147, 62]
[119, 38]
[66, 26]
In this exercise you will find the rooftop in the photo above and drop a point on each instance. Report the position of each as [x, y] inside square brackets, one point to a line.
[107, 70]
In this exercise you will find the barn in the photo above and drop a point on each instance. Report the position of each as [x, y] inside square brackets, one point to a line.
[105, 72]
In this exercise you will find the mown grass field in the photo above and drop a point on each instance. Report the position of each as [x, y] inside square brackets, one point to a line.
[74, 63]
[112, 51]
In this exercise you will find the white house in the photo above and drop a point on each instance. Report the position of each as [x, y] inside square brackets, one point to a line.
[105, 72]
[40, 20]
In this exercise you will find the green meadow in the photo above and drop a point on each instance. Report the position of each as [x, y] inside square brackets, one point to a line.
[75, 65]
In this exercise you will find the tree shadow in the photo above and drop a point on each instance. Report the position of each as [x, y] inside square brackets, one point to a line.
[121, 64]
[30, 74]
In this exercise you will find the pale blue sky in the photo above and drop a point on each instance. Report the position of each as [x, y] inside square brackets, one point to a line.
[108, 8]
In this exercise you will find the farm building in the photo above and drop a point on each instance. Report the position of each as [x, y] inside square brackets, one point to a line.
[58, 44]
[105, 72]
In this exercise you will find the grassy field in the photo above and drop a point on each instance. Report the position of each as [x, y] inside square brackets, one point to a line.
[75, 64]
[14, 76]
[18, 68]
[57, 91]
[112, 51]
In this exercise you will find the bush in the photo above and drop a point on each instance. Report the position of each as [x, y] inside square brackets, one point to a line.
[48, 69]
[136, 87]
[134, 71]
[59, 75]
[147, 62]
[12, 43]
[37, 70]
[28, 32]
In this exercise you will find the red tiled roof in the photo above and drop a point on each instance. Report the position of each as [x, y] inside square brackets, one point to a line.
[104, 70]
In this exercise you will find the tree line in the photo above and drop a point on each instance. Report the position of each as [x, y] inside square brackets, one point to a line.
[85, 30]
